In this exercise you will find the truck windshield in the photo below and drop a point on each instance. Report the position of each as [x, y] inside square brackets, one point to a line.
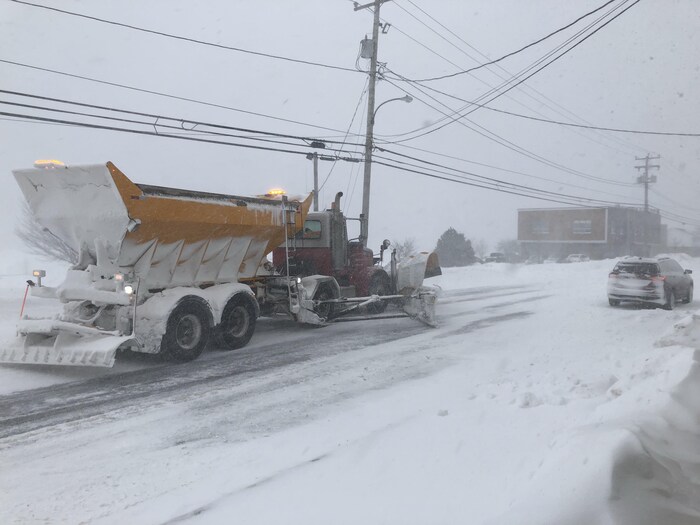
[312, 229]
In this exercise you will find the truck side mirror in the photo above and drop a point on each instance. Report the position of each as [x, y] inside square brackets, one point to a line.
[382, 248]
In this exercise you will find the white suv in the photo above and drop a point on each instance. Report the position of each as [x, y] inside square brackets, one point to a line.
[656, 280]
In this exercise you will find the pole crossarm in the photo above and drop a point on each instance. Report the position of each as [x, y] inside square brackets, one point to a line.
[358, 7]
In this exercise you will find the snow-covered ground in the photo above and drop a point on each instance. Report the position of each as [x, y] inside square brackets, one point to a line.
[533, 402]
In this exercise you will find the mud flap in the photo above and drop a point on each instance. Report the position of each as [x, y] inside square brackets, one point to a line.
[55, 346]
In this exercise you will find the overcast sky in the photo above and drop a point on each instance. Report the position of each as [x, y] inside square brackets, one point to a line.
[639, 72]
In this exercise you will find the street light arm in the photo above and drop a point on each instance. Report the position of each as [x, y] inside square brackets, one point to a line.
[405, 98]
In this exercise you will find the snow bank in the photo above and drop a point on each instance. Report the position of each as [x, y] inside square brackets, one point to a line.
[639, 464]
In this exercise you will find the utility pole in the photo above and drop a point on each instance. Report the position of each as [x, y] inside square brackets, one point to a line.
[646, 179]
[314, 156]
[369, 137]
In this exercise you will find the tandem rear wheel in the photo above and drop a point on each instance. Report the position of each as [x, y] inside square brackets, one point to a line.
[187, 332]
[237, 323]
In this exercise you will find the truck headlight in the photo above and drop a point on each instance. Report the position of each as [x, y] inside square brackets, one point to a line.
[128, 289]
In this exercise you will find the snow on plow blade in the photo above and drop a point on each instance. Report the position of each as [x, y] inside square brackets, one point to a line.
[53, 342]
[411, 271]
[421, 306]
[419, 301]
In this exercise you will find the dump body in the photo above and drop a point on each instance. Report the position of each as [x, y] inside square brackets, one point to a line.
[166, 237]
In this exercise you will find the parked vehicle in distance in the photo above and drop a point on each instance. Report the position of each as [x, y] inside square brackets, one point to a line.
[577, 257]
[657, 281]
[498, 257]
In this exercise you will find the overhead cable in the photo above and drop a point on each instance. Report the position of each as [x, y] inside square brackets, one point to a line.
[502, 92]
[520, 50]
[165, 117]
[166, 95]
[163, 135]
[184, 38]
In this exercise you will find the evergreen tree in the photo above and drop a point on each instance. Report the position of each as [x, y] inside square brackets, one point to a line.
[454, 250]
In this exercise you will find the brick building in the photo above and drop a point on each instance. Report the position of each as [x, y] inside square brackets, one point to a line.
[599, 233]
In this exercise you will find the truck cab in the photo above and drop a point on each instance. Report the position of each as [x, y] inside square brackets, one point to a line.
[322, 248]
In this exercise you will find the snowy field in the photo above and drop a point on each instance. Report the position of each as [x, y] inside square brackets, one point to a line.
[533, 402]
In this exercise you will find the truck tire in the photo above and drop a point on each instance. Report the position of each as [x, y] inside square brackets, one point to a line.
[325, 311]
[378, 285]
[670, 299]
[187, 332]
[237, 323]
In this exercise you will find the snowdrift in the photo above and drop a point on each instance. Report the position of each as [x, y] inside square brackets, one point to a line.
[641, 470]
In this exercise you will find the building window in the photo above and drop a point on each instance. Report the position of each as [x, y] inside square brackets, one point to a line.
[540, 227]
[582, 227]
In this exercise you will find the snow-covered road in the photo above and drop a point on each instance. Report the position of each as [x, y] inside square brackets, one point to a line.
[512, 411]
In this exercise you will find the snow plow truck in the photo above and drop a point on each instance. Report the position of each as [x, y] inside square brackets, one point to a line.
[167, 271]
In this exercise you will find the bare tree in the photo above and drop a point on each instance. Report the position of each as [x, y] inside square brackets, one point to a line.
[404, 248]
[41, 241]
[481, 248]
[511, 249]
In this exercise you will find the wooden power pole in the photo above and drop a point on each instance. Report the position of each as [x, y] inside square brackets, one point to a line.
[369, 138]
[645, 178]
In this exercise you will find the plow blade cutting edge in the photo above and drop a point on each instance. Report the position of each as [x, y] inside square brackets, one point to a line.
[49, 342]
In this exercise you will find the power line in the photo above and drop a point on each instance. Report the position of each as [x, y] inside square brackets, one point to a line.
[186, 39]
[541, 95]
[172, 135]
[493, 180]
[483, 186]
[550, 121]
[520, 190]
[498, 168]
[158, 117]
[525, 89]
[167, 95]
[163, 135]
[502, 92]
[347, 133]
[155, 125]
[591, 202]
[462, 72]
[511, 77]
[508, 144]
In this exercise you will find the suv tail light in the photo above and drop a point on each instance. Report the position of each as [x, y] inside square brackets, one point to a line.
[658, 278]
[612, 275]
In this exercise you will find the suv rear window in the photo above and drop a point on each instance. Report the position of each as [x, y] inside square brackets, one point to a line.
[637, 268]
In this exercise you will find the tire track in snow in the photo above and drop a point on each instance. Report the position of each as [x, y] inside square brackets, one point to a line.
[134, 391]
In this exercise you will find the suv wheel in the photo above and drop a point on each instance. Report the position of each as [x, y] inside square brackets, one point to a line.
[689, 297]
[670, 299]
[614, 302]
